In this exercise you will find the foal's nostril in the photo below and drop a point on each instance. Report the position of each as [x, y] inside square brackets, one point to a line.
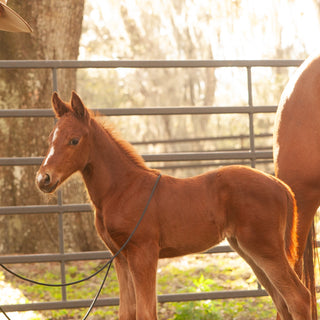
[46, 179]
[46, 182]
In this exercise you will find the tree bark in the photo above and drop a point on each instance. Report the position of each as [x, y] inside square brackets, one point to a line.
[56, 34]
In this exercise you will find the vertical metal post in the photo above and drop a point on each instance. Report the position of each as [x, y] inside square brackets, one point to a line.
[60, 217]
[251, 120]
[54, 79]
[251, 128]
[61, 248]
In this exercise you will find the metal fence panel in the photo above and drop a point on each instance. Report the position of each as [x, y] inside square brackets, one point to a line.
[253, 155]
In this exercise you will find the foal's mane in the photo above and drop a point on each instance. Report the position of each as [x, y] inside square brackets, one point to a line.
[124, 145]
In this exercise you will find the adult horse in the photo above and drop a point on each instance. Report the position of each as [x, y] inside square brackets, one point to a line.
[254, 211]
[297, 157]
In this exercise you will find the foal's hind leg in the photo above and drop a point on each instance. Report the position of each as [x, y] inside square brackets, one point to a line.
[275, 295]
[127, 307]
[271, 258]
[284, 278]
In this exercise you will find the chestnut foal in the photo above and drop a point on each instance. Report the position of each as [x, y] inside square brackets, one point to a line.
[254, 211]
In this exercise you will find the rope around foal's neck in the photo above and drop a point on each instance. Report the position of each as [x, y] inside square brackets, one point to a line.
[107, 264]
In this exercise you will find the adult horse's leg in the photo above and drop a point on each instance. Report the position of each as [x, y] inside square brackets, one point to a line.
[127, 308]
[263, 279]
[143, 262]
[271, 258]
[297, 156]
[307, 198]
[307, 203]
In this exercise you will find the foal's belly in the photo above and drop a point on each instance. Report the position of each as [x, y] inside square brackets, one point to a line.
[178, 252]
[197, 240]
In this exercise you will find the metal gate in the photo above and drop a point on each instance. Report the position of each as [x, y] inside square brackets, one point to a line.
[251, 156]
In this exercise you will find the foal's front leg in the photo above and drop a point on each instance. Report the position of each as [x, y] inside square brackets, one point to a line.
[143, 263]
[127, 308]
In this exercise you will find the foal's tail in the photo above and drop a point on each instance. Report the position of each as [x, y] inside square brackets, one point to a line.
[291, 240]
[307, 275]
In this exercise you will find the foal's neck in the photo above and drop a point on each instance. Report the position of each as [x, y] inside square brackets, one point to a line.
[112, 166]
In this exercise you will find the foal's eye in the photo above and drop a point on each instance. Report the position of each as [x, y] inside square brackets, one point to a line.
[74, 142]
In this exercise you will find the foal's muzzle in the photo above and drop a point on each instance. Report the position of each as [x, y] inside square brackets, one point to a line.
[45, 182]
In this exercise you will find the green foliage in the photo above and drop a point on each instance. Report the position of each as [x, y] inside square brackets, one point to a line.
[261, 308]
[258, 308]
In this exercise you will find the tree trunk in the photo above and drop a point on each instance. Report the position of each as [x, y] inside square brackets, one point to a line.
[56, 33]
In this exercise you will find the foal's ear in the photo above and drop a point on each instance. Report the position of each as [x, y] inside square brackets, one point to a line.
[78, 107]
[59, 107]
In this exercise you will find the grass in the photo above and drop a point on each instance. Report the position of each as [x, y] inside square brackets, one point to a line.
[197, 273]
[204, 273]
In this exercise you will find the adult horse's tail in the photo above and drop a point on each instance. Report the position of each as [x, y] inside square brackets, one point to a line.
[308, 278]
[307, 275]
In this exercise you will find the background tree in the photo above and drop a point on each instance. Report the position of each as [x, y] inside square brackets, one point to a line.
[57, 27]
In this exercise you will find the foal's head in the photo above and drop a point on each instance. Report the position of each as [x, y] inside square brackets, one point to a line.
[69, 143]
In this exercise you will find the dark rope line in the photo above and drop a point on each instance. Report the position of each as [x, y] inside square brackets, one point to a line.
[98, 293]
[53, 284]
[4, 313]
[107, 264]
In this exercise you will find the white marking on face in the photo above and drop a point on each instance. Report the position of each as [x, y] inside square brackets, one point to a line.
[55, 134]
[39, 177]
[50, 154]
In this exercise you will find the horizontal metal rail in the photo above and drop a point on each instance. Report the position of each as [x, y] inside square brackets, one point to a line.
[234, 294]
[79, 256]
[38, 209]
[177, 156]
[210, 164]
[201, 139]
[67, 64]
[145, 111]
[55, 257]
